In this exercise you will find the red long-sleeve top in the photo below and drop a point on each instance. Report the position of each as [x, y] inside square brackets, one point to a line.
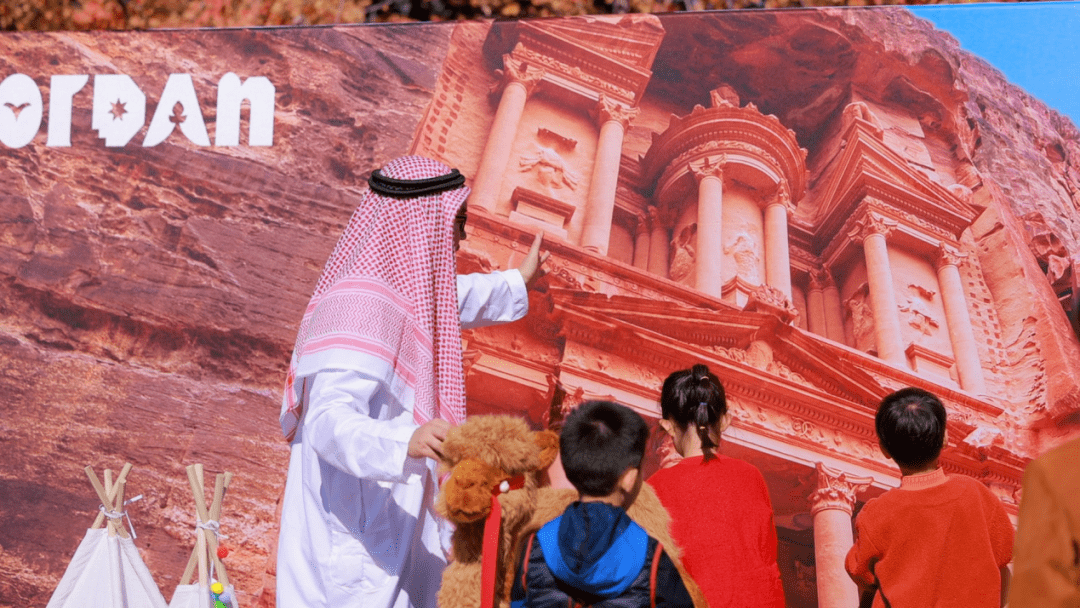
[936, 541]
[722, 519]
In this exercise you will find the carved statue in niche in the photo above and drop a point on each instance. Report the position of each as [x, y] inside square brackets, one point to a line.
[744, 251]
[917, 308]
[683, 254]
[552, 171]
[862, 318]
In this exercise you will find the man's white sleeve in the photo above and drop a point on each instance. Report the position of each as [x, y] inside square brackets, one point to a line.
[343, 427]
[488, 299]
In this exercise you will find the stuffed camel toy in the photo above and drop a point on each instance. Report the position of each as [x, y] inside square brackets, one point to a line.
[495, 466]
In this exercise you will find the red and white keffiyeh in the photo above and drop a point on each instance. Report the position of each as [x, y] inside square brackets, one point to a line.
[386, 303]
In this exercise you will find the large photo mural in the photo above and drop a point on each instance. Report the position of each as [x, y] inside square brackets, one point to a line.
[823, 206]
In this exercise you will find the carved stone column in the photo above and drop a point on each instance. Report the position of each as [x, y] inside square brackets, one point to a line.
[709, 173]
[777, 257]
[873, 230]
[968, 366]
[659, 242]
[834, 311]
[641, 242]
[613, 119]
[815, 304]
[518, 82]
[831, 505]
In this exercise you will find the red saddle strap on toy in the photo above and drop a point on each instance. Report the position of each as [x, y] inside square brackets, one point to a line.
[652, 574]
[492, 525]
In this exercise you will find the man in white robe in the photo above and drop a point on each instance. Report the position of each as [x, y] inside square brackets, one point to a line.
[366, 410]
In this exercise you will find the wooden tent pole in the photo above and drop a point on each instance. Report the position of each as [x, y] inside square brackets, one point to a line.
[118, 507]
[189, 570]
[221, 482]
[200, 510]
[109, 493]
[103, 496]
[198, 490]
[206, 542]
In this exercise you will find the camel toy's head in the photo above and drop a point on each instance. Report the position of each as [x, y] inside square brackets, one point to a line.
[487, 456]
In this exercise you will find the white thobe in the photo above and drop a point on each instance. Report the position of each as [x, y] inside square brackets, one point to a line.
[358, 526]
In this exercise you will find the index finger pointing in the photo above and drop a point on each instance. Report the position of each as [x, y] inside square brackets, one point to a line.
[539, 238]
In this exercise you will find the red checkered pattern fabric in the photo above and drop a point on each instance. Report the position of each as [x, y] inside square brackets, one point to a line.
[389, 292]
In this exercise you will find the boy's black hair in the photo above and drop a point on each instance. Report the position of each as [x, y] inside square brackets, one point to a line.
[694, 399]
[911, 425]
[600, 440]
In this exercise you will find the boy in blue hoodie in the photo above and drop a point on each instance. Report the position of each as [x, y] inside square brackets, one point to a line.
[593, 554]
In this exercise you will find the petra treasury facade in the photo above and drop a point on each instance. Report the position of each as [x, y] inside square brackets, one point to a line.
[821, 205]
[810, 212]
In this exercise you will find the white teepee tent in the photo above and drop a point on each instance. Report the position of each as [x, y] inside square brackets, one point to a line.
[106, 570]
[205, 554]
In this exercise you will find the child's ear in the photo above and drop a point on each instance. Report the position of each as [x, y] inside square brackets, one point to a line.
[725, 421]
[630, 484]
[945, 439]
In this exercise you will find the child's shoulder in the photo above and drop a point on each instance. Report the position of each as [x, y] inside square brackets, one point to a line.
[954, 488]
[969, 486]
[965, 481]
[720, 469]
[739, 464]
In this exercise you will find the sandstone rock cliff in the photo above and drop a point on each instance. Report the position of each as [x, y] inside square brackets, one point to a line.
[149, 297]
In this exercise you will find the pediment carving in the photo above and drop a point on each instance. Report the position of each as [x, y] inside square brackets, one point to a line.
[868, 168]
[759, 355]
[602, 54]
[641, 330]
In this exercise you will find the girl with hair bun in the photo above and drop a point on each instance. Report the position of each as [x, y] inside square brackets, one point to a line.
[721, 516]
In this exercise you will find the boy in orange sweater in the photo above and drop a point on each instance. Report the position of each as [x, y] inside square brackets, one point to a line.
[936, 541]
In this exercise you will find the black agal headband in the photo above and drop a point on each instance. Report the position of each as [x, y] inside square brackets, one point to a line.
[408, 188]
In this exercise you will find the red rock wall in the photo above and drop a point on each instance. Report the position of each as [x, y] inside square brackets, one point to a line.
[149, 297]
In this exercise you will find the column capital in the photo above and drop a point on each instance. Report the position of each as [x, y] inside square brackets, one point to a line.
[608, 110]
[821, 278]
[782, 197]
[836, 490]
[948, 256]
[659, 217]
[709, 166]
[871, 224]
[517, 71]
[641, 222]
